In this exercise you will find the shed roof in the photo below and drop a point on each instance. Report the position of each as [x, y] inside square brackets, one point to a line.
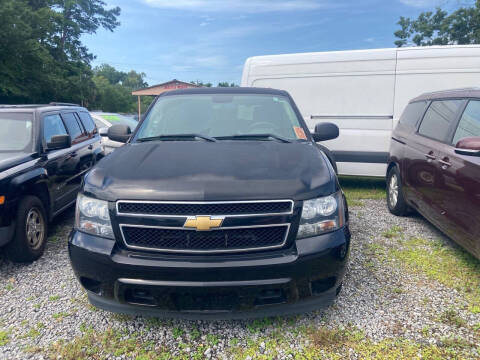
[166, 86]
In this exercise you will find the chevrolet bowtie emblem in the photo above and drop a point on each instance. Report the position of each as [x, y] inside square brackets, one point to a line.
[203, 223]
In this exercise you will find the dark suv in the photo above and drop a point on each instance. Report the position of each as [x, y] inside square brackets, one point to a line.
[221, 201]
[44, 152]
[435, 164]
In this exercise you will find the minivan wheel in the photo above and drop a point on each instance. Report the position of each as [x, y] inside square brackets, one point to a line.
[31, 228]
[395, 199]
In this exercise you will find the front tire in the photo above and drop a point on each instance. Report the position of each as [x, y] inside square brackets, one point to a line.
[31, 230]
[395, 197]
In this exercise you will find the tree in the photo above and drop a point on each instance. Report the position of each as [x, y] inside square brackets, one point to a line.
[201, 83]
[439, 28]
[227, 84]
[41, 56]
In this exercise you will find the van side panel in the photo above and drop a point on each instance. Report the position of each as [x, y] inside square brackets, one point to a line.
[364, 92]
[421, 70]
[354, 90]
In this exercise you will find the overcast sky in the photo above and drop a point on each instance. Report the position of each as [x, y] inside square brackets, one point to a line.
[209, 40]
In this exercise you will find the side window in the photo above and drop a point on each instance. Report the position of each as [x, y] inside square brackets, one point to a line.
[438, 118]
[53, 125]
[87, 121]
[412, 113]
[73, 127]
[469, 124]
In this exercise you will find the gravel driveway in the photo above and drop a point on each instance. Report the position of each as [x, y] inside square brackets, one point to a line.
[409, 293]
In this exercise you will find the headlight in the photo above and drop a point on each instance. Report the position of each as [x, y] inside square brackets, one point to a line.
[92, 217]
[321, 215]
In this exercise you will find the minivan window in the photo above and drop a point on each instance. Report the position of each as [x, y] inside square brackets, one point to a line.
[72, 125]
[221, 115]
[412, 113]
[87, 121]
[469, 124]
[53, 125]
[16, 131]
[438, 118]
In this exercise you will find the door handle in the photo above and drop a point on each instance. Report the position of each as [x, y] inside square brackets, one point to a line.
[90, 147]
[445, 163]
[430, 157]
[73, 154]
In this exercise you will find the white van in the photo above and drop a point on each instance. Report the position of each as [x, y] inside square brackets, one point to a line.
[364, 92]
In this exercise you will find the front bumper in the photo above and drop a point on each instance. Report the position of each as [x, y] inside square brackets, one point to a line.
[305, 277]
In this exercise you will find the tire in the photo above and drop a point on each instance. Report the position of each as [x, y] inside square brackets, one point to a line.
[395, 197]
[31, 230]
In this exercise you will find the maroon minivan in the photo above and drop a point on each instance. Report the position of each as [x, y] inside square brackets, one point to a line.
[434, 164]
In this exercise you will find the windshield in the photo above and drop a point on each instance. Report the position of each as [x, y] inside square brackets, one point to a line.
[16, 132]
[222, 115]
[119, 119]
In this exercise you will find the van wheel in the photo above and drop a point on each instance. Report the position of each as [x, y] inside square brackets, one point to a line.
[31, 228]
[395, 199]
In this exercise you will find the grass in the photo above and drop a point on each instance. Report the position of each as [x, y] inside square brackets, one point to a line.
[4, 338]
[97, 345]
[393, 232]
[452, 267]
[451, 317]
[350, 343]
[357, 189]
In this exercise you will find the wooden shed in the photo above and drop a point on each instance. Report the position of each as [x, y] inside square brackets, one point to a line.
[161, 88]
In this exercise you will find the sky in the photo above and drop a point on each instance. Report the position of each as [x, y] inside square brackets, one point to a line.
[209, 40]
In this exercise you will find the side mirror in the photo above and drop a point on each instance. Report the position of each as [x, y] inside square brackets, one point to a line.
[59, 142]
[103, 131]
[325, 131]
[120, 133]
[468, 146]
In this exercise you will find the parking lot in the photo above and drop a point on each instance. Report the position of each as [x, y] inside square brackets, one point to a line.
[409, 293]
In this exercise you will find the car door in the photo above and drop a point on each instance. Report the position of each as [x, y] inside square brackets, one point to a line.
[80, 155]
[91, 146]
[57, 162]
[460, 195]
[421, 172]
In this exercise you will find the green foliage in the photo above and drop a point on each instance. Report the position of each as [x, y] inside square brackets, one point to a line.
[41, 56]
[440, 28]
[114, 88]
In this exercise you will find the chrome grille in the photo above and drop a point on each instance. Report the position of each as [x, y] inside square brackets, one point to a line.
[159, 225]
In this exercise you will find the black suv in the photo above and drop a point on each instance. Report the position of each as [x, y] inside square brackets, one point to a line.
[220, 203]
[44, 152]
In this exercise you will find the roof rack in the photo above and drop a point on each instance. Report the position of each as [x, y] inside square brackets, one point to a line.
[33, 106]
[54, 103]
[6, 106]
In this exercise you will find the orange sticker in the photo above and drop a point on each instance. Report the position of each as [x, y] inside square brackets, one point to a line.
[300, 132]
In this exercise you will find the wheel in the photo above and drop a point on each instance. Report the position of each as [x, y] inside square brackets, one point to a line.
[31, 228]
[395, 198]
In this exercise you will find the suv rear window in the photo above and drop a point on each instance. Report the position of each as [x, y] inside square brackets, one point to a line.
[73, 126]
[469, 124]
[413, 113]
[87, 121]
[16, 129]
[438, 118]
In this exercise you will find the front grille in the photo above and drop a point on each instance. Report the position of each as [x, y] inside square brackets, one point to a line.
[188, 209]
[222, 240]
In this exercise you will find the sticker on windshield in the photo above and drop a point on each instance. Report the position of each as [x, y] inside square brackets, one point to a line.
[300, 132]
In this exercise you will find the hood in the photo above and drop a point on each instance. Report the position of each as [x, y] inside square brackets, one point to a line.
[212, 171]
[10, 159]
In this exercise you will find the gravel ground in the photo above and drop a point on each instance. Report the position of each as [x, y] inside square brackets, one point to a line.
[42, 303]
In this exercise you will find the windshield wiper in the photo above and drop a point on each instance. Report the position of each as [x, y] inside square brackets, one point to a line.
[177, 137]
[254, 136]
